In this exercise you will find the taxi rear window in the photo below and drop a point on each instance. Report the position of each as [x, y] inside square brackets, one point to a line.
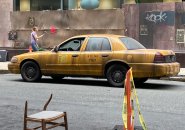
[98, 44]
[131, 44]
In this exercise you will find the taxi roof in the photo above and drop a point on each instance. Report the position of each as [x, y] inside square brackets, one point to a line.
[99, 35]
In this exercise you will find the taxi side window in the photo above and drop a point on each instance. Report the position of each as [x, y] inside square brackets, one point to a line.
[106, 45]
[72, 45]
[98, 44]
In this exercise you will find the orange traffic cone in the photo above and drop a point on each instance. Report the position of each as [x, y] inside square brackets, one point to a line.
[30, 49]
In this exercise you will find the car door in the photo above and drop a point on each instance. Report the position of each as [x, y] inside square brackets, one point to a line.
[65, 60]
[94, 56]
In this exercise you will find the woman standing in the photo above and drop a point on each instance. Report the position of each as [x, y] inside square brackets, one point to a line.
[34, 39]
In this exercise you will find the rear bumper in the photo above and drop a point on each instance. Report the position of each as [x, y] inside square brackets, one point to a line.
[156, 70]
[14, 68]
[170, 69]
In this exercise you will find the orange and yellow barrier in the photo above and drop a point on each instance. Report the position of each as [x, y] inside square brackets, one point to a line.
[128, 104]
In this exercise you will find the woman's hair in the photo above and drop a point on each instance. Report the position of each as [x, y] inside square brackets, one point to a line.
[34, 28]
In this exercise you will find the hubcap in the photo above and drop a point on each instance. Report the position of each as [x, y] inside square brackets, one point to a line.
[30, 72]
[117, 76]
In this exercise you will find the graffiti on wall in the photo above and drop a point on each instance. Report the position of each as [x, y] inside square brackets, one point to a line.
[158, 17]
[31, 21]
[12, 35]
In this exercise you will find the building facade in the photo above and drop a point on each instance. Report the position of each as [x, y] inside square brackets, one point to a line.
[73, 17]
[61, 13]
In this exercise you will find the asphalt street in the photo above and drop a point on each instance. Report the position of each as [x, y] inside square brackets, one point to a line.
[91, 104]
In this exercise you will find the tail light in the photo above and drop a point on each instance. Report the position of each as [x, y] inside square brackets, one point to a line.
[173, 58]
[159, 58]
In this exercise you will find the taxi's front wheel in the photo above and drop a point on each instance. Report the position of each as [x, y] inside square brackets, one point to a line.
[116, 75]
[30, 71]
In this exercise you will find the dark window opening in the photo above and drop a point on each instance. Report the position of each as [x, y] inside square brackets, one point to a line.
[65, 5]
[39, 5]
[16, 6]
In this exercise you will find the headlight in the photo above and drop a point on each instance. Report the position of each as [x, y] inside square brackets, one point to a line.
[14, 60]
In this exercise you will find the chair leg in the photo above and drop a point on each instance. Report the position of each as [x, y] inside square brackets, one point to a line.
[25, 116]
[65, 121]
[25, 124]
[43, 125]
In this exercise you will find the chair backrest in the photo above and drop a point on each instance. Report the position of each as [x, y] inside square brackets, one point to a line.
[45, 106]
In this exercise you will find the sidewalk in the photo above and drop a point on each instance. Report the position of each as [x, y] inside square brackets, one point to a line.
[4, 67]
[179, 77]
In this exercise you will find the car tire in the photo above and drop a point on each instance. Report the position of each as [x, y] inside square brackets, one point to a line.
[30, 72]
[57, 77]
[116, 75]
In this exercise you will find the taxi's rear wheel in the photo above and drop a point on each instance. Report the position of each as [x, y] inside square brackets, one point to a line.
[30, 71]
[116, 75]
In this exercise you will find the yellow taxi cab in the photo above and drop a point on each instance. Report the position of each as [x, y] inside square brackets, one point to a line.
[96, 55]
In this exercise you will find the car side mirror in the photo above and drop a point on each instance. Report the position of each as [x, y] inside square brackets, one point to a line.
[55, 49]
[76, 41]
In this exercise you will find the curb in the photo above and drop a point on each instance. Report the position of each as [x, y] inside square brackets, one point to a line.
[180, 78]
[4, 71]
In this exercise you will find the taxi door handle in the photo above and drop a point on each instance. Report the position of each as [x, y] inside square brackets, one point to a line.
[105, 55]
[75, 55]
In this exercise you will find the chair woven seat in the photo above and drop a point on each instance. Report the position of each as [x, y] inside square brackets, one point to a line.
[46, 115]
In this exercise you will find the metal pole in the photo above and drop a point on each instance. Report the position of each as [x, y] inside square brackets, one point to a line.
[61, 4]
[14, 5]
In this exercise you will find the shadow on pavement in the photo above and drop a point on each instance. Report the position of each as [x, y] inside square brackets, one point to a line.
[88, 82]
[103, 83]
[94, 82]
[156, 86]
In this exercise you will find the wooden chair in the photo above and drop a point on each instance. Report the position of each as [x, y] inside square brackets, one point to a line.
[45, 117]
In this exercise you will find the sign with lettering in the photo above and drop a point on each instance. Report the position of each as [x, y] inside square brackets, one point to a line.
[180, 36]
[143, 30]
